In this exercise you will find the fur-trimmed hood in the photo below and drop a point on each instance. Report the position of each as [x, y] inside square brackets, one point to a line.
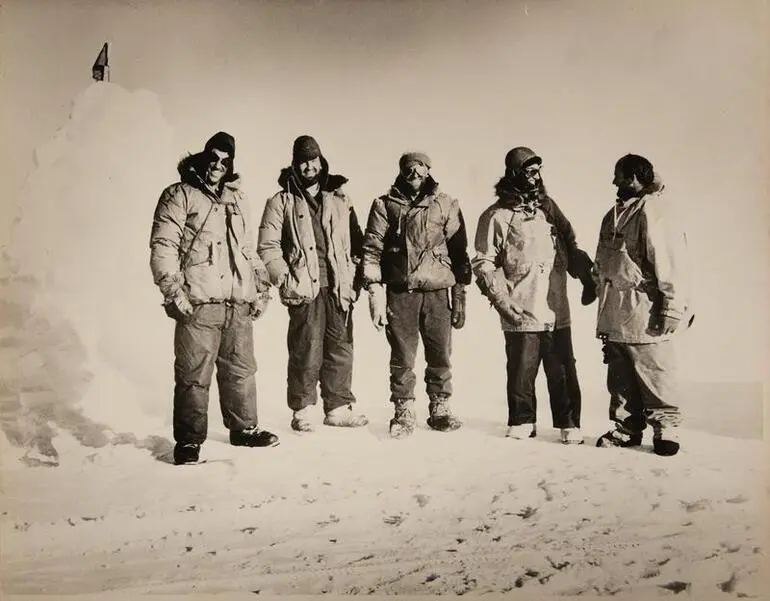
[655, 188]
[508, 194]
[328, 182]
[192, 167]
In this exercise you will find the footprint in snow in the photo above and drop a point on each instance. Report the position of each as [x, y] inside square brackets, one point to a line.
[676, 586]
[738, 499]
[699, 505]
[394, 520]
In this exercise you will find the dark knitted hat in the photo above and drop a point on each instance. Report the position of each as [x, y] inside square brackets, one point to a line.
[409, 157]
[305, 149]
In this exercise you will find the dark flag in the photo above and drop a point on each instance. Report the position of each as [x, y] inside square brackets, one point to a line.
[101, 68]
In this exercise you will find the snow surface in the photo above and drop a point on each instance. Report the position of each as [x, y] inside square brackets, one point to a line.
[91, 502]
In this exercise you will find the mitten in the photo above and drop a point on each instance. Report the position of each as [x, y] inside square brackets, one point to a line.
[178, 307]
[258, 307]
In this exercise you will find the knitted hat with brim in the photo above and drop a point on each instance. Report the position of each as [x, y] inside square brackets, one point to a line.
[305, 149]
[221, 141]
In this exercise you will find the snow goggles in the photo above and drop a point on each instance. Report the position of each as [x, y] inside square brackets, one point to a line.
[531, 170]
[213, 159]
[415, 167]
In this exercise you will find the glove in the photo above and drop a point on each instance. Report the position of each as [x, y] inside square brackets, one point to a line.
[378, 305]
[589, 292]
[258, 307]
[179, 306]
[358, 281]
[261, 278]
[499, 296]
[482, 286]
[665, 324]
[458, 306]
[582, 267]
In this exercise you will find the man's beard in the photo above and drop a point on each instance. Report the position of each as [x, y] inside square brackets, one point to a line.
[624, 193]
[311, 181]
[523, 184]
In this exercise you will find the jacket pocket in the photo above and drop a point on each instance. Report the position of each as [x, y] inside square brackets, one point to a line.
[296, 288]
[616, 265]
[201, 254]
[433, 271]
[625, 274]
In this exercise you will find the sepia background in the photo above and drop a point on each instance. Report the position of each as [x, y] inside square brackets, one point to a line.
[581, 82]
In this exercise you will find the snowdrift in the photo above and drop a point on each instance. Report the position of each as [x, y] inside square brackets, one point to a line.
[75, 275]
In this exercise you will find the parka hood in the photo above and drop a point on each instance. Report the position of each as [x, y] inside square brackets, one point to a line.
[192, 167]
[508, 194]
[656, 187]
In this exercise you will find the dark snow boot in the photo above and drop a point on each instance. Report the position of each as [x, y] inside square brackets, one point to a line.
[618, 438]
[665, 441]
[404, 420]
[665, 425]
[441, 417]
[186, 452]
[665, 448]
[253, 437]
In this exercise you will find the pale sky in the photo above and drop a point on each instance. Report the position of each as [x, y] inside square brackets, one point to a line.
[582, 82]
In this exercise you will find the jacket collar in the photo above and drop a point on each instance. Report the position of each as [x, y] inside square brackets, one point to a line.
[429, 191]
[227, 193]
[290, 181]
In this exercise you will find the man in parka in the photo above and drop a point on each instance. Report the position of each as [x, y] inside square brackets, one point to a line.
[642, 277]
[310, 241]
[416, 267]
[203, 258]
[525, 247]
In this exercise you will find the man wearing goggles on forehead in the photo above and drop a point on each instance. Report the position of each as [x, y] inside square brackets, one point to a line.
[525, 247]
[204, 260]
[416, 267]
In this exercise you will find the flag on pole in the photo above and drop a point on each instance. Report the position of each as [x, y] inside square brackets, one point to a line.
[100, 70]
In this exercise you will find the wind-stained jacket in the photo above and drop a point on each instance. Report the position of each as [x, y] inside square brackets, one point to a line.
[204, 243]
[419, 245]
[287, 240]
[525, 247]
[641, 268]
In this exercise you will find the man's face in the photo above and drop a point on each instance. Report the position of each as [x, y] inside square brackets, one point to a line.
[219, 163]
[529, 177]
[310, 170]
[415, 173]
[627, 186]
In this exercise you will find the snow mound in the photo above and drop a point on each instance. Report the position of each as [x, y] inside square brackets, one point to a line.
[76, 278]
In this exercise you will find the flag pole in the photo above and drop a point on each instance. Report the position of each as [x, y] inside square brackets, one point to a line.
[107, 65]
[100, 71]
